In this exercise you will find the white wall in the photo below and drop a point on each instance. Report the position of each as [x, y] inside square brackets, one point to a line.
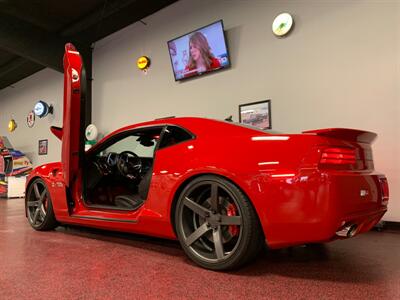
[340, 67]
[17, 101]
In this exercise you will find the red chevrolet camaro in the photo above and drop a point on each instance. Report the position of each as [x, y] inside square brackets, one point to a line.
[222, 189]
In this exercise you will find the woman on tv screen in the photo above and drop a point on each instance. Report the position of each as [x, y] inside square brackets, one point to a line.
[198, 52]
[201, 58]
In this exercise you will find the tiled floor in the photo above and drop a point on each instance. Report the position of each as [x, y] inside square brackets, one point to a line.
[77, 263]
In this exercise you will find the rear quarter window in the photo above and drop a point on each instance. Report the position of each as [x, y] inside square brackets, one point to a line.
[174, 135]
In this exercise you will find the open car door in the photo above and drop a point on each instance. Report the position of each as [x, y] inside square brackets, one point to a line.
[71, 134]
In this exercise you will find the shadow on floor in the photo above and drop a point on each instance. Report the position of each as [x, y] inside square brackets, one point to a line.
[342, 261]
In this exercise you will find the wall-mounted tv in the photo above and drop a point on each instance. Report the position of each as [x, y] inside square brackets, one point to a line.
[200, 51]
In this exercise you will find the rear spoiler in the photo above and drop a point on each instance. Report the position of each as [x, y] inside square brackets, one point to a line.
[353, 135]
[57, 131]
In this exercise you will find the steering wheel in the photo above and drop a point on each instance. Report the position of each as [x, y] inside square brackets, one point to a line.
[129, 165]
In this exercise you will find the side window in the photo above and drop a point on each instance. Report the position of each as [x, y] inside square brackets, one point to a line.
[135, 144]
[174, 135]
[142, 143]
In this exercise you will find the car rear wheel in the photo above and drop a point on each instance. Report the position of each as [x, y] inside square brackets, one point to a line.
[39, 207]
[216, 224]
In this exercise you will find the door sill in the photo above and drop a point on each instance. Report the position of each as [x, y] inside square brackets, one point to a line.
[109, 207]
[103, 219]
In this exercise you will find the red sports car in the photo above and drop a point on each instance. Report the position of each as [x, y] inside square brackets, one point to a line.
[222, 189]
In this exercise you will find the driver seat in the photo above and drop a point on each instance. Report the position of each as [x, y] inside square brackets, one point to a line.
[134, 201]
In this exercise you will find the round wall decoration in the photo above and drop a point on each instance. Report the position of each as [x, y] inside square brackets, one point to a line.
[12, 125]
[42, 109]
[282, 24]
[143, 63]
[30, 119]
[91, 132]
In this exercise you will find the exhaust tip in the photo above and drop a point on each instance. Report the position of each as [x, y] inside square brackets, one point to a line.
[352, 231]
[347, 231]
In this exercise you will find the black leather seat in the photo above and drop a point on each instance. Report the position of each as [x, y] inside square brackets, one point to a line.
[134, 201]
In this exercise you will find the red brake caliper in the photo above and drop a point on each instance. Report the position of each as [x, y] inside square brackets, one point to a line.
[231, 211]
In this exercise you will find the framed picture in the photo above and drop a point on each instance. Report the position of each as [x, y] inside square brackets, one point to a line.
[43, 146]
[256, 114]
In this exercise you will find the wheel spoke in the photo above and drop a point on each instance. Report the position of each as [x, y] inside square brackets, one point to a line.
[41, 199]
[36, 189]
[231, 220]
[214, 197]
[42, 196]
[197, 234]
[219, 248]
[36, 215]
[33, 203]
[42, 214]
[196, 208]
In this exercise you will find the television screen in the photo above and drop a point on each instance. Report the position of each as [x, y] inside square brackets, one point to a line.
[200, 51]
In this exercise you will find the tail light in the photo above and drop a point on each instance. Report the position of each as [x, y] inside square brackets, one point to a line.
[384, 190]
[338, 156]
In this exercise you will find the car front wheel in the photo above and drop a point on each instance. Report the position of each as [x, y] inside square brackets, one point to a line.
[39, 207]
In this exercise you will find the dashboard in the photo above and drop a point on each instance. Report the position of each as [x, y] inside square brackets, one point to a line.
[107, 164]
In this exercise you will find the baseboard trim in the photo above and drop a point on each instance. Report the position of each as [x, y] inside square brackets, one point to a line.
[388, 225]
[392, 225]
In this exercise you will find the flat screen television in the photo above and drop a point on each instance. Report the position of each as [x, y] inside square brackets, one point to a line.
[198, 52]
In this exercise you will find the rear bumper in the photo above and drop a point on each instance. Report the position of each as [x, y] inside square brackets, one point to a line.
[313, 206]
[360, 222]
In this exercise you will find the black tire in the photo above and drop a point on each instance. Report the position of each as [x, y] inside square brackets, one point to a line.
[216, 224]
[39, 207]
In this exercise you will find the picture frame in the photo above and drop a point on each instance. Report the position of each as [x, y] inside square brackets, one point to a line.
[43, 147]
[256, 114]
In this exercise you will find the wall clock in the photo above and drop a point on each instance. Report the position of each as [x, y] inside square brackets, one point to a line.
[282, 24]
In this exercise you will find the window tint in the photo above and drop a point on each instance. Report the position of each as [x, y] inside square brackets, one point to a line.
[133, 143]
[174, 135]
[142, 143]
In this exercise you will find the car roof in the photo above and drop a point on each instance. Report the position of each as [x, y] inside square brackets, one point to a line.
[198, 126]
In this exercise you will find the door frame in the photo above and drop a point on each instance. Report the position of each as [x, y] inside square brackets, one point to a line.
[111, 140]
